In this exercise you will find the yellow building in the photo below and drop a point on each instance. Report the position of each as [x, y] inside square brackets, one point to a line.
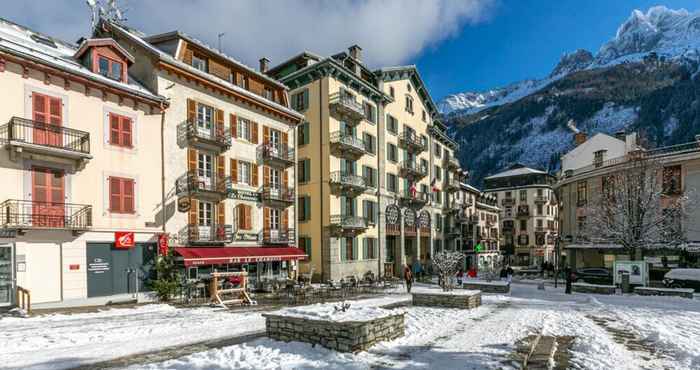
[375, 167]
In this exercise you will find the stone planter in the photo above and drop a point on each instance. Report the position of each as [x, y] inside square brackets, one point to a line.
[685, 293]
[487, 286]
[464, 299]
[593, 288]
[343, 336]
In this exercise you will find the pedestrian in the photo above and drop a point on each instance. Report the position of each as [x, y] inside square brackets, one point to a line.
[460, 275]
[472, 272]
[509, 274]
[504, 274]
[551, 269]
[408, 277]
[543, 268]
[567, 272]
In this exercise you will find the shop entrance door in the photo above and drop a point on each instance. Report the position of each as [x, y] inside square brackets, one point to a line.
[118, 271]
[7, 275]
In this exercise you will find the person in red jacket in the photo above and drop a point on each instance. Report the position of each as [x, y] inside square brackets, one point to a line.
[472, 272]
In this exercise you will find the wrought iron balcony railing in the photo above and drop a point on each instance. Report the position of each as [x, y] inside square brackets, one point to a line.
[194, 182]
[415, 198]
[410, 141]
[277, 155]
[277, 236]
[196, 234]
[345, 181]
[346, 145]
[283, 196]
[508, 201]
[213, 137]
[21, 214]
[451, 163]
[346, 107]
[412, 169]
[23, 132]
[348, 222]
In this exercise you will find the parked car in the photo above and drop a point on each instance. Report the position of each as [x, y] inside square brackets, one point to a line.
[593, 275]
[683, 278]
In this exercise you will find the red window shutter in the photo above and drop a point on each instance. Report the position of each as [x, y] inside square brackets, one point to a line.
[240, 217]
[114, 195]
[234, 171]
[126, 132]
[191, 111]
[254, 132]
[114, 127]
[266, 218]
[39, 108]
[248, 221]
[128, 195]
[55, 111]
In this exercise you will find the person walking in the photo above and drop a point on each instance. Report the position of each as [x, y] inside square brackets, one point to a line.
[408, 277]
[504, 274]
[567, 272]
[509, 274]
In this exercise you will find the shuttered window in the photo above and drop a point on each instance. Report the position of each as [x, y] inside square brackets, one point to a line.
[369, 211]
[370, 112]
[370, 143]
[243, 217]
[303, 133]
[392, 124]
[392, 153]
[121, 195]
[370, 175]
[300, 100]
[120, 131]
[348, 249]
[305, 245]
[304, 208]
[369, 248]
[304, 170]
[391, 182]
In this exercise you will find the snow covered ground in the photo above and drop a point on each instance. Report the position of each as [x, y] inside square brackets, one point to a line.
[612, 332]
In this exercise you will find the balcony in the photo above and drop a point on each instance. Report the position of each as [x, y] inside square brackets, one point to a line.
[540, 229]
[508, 202]
[453, 231]
[417, 199]
[276, 155]
[523, 211]
[461, 217]
[51, 141]
[211, 187]
[28, 214]
[410, 141]
[343, 182]
[451, 163]
[347, 225]
[346, 108]
[346, 146]
[272, 236]
[412, 170]
[276, 196]
[218, 140]
[206, 235]
[541, 199]
[451, 185]
[473, 219]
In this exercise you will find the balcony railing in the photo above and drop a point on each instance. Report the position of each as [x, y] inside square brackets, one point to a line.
[412, 169]
[416, 198]
[277, 236]
[194, 183]
[523, 211]
[346, 145]
[348, 223]
[451, 185]
[214, 137]
[508, 201]
[345, 181]
[347, 108]
[410, 141]
[451, 163]
[277, 155]
[196, 234]
[277, 195]
[541, 199]
[28, 133]
[20, 214]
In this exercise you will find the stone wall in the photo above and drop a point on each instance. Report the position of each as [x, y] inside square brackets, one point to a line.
[595, 289]
[486, 287]
[464, 301]
[685, 293]
[353, 336]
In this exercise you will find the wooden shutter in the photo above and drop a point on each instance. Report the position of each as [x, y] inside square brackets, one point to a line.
[285, 181]
[114, 126]
[285, 220]
[254, 174]
[307, 208]
[187, 58]
[354, 248]
[365, 248]
[114, 199]
[234, 171]
[248, 220]
[240, 217]
[128, 195]
[254, 132]
[306, 99]
[219, 121]
[220, 167]
[126, 132]
[221, 213]
[266, 176]
[193, 212]
[266, 135]
[285, 141]
[191, 111]
[234, 125]
[191, 159]
[266, 218]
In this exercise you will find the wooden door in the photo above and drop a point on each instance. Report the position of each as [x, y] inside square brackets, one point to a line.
[47, 111]
[48, 196]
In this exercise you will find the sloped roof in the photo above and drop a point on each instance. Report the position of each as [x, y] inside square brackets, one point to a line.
[517, 171]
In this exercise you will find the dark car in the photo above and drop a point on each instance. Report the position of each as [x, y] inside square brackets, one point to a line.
[683, 278]
[593, 275]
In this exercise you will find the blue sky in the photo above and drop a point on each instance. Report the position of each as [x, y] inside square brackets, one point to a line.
[525, 39]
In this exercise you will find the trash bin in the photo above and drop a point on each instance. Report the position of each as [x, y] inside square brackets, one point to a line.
[625, 282]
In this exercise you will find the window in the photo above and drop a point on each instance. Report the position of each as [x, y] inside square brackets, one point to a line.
[408, 87]
[370, 143]
[438, 172]
[540, 210]
[523, 195]
[304, 170]
[348, 250]
[121, 195]
[267, 93]
[370, 175]
[199, 63]
[305, 245]
[109, 68]
[369, 211]
[437, 149]
[391, 182]
[303, 133]
[438, 222]
[409, 104]
[205, 117]
[672, 180]
[204, 214]
[243, 217]
[438, 197]
[391, 91]
[304, 208]
[392, 124]
[275, 219]
[581, 193]
[244, 173]
[370, 112]
[300, 100]
[392, 153]
[120, 130]
[424, 141]
[247, 130]
[242, 81]
[523, 225]
[599, 157]
[424, 117]
[369, 248]
[423, 164]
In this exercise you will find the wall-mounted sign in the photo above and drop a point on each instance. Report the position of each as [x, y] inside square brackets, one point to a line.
[183, 204]
[392, 214]
[124, 239]
[163, 244]
[424, 219]
[250, 196]
[74, 267]
[98, 266]
[409, 217]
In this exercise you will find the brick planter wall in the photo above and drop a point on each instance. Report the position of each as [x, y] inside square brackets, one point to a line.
[352, 336]
[594, 289]
[463, 301]
[487, 288]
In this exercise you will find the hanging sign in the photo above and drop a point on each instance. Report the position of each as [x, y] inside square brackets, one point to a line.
[251, 196]
[424, 219]
[392, 214]
[183, 204]
[124, 240]
[409, 217]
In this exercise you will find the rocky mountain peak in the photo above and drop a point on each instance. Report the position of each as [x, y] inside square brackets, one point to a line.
[572, 62]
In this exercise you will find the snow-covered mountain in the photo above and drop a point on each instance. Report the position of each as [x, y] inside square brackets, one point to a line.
[672, 34]
[646, 78]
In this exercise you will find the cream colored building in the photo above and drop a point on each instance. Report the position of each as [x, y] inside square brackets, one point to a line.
[528, 214]
[229, 155]
[368, 152]
[81, 163]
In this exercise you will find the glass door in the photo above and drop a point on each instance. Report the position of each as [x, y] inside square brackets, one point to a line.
[205, 119]
[7, 275]
[205, 170]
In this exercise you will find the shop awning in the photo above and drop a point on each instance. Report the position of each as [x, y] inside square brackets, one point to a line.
[196, 256]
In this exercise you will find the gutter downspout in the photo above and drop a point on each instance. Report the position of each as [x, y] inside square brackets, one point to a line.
[321, 127]
[162, 164]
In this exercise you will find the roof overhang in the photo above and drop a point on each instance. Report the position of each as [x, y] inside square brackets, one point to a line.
[198, 256]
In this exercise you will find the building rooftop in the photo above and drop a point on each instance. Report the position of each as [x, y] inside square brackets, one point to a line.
[516, 170]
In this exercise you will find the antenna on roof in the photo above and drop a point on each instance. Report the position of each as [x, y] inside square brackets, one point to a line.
[110, 10]
[220, 36]
[92, 4]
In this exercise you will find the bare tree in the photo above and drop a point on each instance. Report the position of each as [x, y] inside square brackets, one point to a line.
[447, 264]
[641, 205]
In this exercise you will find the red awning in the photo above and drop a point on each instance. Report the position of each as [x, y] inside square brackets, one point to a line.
[223, 255]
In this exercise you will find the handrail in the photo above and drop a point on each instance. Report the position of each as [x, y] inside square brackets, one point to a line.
[347, 101]
[214, 233]
[348, 221]
[276, 151]
[346, 178]
[46, 134]
[278, 193]
[274, 236]
[216, 134]
[191, 181]
[347, 139]
[410, 138]
[29, 213]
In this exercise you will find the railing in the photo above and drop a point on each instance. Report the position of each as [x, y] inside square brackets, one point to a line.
[452, 184]
[217, 136]
[523, 211]
[206, 234]
[541, 199]
[347, 103]
[508, 201]
[276, 236]
[27, 213]
[411, 140]
[48, 135]
[348, 221]
[24, 299]
[347, 140]
[193, 182]
[348, 179]
[412, 167]
[277, 194]
[673, 149]
[276, 152]
[451, 162]
[416, 196]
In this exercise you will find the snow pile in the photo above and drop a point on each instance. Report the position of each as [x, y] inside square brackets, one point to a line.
[332, 312]
[683, 274]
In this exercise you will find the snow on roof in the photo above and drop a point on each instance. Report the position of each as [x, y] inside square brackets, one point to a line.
[328, 312]
[516, 172]
[25, 43]
[683, 274]
[594, 246]
[466, 186]
[136, 37]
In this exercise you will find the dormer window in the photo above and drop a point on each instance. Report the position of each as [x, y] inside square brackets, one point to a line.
[105, 57]
[267, 93]
[199, 63]
[109, 68]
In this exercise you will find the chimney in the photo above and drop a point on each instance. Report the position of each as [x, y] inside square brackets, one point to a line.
[579, 138]
[264, 64]
[356, 52]
[621, 135]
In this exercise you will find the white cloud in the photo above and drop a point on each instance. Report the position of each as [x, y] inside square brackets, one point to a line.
[389, 31]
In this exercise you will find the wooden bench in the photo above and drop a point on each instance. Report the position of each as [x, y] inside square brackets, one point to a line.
[673, 292]
[593, 288]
